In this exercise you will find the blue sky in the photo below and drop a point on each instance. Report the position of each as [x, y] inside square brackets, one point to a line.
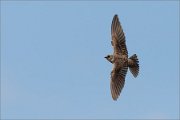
[53, 66]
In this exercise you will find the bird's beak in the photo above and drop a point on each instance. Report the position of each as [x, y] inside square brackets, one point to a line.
[105, 57]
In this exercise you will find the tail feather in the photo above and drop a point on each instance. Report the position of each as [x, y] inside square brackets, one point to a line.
[133, 64]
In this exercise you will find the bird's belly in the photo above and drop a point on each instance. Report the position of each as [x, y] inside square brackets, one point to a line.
[121, 62]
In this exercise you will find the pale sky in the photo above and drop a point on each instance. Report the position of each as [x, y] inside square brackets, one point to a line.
[53, 66]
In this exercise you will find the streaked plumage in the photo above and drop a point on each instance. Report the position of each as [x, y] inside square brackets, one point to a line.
[120, 59]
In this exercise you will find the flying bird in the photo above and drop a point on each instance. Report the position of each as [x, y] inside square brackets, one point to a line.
[120, 59]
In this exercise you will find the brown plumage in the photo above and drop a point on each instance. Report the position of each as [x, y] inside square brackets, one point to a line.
[120, 59]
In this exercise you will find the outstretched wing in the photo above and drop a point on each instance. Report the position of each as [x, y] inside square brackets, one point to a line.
[118, 37]
[117, 81]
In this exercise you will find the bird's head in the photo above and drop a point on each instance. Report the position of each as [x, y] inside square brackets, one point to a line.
[109, 58]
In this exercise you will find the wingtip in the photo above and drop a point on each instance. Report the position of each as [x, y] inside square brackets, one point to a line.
[115, 15]
[115, 99]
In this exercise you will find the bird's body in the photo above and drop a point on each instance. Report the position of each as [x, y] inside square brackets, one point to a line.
[120, 59]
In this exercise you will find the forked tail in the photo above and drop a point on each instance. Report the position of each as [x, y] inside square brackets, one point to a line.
[133, 64]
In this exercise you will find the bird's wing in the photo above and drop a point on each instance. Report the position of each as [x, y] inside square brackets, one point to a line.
[118, 37]
[117, 81]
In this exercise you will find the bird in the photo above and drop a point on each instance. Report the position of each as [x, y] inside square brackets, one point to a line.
[120, 59]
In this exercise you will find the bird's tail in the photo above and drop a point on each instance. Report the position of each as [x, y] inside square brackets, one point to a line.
[133, 64]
